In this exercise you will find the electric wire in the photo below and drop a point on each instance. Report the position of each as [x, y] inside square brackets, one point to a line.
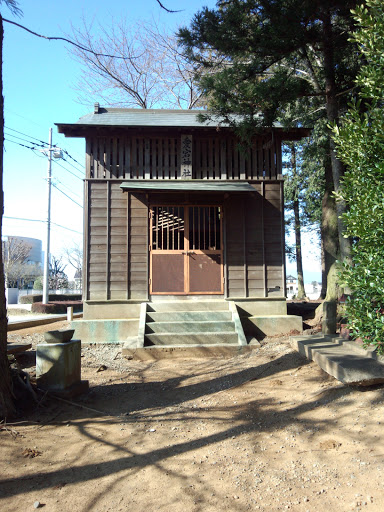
[43, 221]
[69, 190]
[26, 135]
[66, 195]
[70, 172]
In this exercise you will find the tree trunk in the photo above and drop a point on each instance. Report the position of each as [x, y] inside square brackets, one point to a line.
[332, 109]
[329, 237]
[6, 401]
[323, 292]
[296, 213]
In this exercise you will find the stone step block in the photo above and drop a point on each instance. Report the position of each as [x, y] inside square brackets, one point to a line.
[198, 338]
[189, 327]
[190, 305]
[189, 316]
[339, 360]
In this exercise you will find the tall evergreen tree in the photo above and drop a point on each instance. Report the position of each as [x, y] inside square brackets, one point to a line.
[360, 144]
[260, 57]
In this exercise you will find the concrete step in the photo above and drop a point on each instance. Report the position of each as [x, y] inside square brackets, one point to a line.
[189, 316]
[188, 305]
[155, 353]
[189, 327]
[338, 359]
[197, 338]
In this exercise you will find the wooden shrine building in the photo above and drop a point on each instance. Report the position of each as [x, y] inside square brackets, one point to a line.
[175, 210]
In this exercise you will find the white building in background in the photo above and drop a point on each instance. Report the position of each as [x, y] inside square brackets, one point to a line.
[36, 254]
[312, 290]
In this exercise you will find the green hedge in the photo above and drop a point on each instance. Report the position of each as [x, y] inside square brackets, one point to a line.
[53, 297]
[56, 308]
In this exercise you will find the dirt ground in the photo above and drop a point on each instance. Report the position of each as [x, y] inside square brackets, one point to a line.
[266, 431]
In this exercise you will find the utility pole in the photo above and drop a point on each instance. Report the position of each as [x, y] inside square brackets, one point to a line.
[48, 238]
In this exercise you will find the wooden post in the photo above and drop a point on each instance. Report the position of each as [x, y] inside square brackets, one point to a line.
[69, 314]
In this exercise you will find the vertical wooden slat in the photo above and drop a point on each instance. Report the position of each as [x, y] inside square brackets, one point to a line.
[197, 164]
[160, 158]
[108, 264]
[107, 155]
[204, 156]
[284, 277]
[86, 214]
[217, 159]
[101, 158]
[210, 159]
[147, 159]
[260, 161]
[242, 164]
[172, 166]
[253, 168]
[235, 161]
[245, 251]
[273, 159]
[279, 163]
[230, 159]
[121, 173]
[127, 159]
[134, 158]
[114, 154]
[223, 159]
[167, 174]
[263, 239]
[88, 160]
[128, 262]
[140, 147]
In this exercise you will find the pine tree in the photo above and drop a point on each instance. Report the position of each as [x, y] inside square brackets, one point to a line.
[262, 58]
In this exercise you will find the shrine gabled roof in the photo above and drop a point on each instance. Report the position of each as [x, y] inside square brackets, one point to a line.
[149, 118]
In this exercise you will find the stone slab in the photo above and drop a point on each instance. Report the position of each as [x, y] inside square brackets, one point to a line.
[271, 325]
[339, 360]
[181, 351]
[18, 348]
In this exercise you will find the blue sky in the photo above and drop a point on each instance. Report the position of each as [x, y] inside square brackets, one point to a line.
[39, 90]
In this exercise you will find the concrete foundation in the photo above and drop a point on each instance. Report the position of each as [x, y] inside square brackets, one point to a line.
[111, 309]
[262, 326]
[105, 331]
[117, 321]
[58, 365]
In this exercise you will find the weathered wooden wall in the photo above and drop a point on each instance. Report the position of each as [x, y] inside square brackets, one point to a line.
[116, 248]
[116, 255]
[255, 243]
[214, 157]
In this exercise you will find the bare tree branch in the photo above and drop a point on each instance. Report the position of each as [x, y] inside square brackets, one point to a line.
[153, 74]
[165, 9]
[83, 48]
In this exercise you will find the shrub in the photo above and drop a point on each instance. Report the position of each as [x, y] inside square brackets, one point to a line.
[56, 308]
[53, 297]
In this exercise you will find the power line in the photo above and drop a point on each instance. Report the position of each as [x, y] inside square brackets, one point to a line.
[69, 190]
[70, 198]
[70, 172]
[71, 164]
[19, 144]
[29, 136]
[43, 221]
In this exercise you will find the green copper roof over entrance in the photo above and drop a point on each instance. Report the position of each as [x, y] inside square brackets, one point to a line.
[188, 186]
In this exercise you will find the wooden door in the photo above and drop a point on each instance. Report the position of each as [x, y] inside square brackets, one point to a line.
[186, 255]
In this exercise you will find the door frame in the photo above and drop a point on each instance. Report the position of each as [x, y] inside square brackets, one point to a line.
[186, 251]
